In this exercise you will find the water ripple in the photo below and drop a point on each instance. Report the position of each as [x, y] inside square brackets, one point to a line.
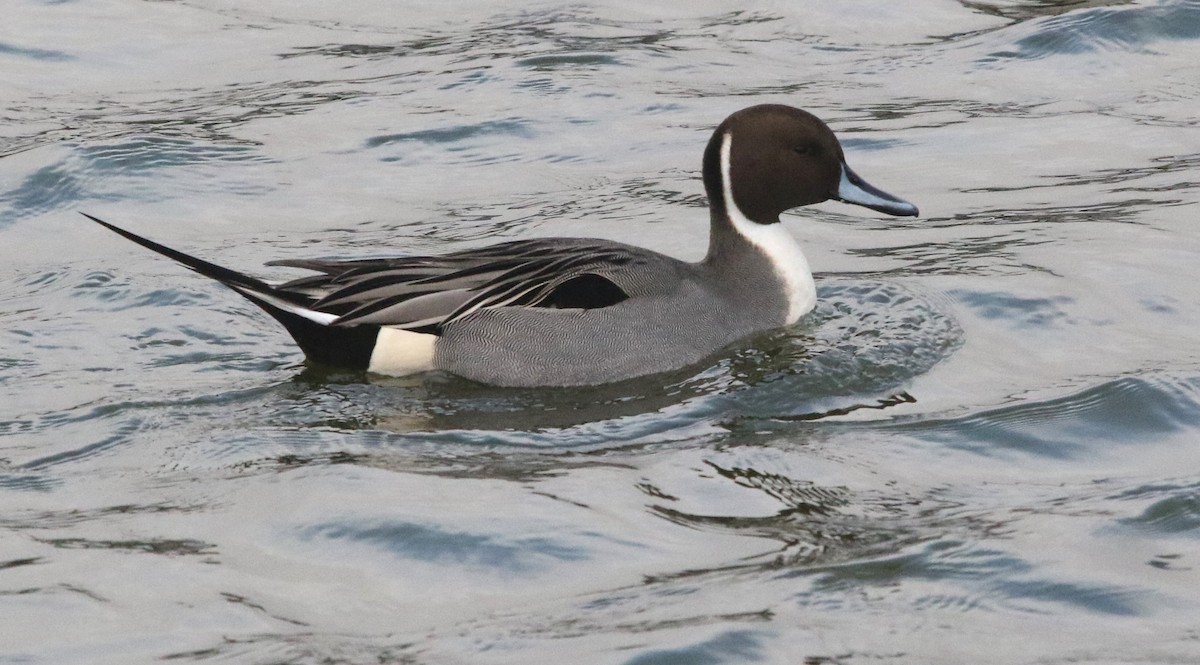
[735, 646]
[435, 544]
[34, 53]
[1127, 409]
[1103, 29]
[1178, 514]
[854, 470]
[986, 579]
[88, 171]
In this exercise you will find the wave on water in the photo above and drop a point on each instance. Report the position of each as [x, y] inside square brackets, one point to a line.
[1118, 412]
[1099, 29]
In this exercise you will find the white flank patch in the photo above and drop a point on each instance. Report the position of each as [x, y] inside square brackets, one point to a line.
[400, 352]
[775, 241]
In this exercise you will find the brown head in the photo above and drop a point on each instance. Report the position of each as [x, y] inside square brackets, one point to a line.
[774, 158]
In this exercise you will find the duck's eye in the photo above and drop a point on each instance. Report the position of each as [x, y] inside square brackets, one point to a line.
[805, 150]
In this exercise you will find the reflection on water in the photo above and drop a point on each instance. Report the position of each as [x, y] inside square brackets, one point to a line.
[986, 428]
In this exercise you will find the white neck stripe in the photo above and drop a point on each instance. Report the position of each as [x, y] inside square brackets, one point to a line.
[773, 240]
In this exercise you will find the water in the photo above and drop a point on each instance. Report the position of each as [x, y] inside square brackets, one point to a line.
[981, 448]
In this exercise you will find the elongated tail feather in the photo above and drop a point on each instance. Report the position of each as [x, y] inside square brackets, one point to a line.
[210, 270]
[343, 346]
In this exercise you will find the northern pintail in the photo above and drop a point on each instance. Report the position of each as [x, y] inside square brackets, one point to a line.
[575, 311]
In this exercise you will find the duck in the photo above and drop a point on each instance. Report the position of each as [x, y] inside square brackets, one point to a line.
[579, 311]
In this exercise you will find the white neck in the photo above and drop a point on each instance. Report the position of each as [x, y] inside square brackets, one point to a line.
[780, 247]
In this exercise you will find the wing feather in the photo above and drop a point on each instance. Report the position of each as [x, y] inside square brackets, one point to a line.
[428, 293]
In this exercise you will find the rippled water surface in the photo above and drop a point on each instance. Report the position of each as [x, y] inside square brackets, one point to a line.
[982, 447]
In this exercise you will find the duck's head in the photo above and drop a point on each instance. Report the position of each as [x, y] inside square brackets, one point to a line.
[771, 158]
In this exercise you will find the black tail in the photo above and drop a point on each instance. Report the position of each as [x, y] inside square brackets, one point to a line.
[342, 346]
[211, 270]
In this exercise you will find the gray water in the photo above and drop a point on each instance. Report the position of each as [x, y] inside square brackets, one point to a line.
[982, 447]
